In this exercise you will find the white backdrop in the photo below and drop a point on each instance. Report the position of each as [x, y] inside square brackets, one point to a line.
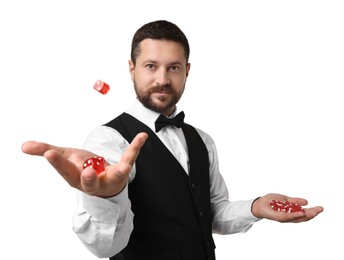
[272, 71]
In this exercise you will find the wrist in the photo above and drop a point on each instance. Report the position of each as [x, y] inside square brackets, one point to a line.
[254, 208]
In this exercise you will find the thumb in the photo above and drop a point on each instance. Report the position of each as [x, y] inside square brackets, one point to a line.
[133, 150]
[89, 181]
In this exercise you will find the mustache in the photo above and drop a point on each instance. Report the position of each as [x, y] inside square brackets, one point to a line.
[159, 88]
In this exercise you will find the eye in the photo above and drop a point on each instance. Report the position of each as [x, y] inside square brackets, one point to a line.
[174, 68]
[150, 66]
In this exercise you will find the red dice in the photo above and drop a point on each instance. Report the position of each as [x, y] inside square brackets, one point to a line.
[284, 206]
[97, 163]
[101, 87]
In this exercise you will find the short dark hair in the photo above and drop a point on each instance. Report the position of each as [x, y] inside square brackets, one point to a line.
[159, 30]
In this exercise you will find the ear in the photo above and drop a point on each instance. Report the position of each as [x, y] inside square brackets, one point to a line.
[188, 69]
[131, 70]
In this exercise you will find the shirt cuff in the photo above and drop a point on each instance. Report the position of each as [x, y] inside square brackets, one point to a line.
[233, 218]
[248, 208]
[103, 225]
[103, 209]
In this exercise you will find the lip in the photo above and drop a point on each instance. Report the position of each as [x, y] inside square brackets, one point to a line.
[161, 93]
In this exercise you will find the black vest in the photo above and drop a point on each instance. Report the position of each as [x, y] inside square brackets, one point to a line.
[172, 216]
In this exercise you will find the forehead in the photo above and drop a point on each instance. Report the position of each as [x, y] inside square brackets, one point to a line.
[159, 50]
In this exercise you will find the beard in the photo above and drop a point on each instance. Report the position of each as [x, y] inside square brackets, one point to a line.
[167, 103]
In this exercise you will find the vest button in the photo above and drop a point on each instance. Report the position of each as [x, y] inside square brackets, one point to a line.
[201, 213]
[193, 185]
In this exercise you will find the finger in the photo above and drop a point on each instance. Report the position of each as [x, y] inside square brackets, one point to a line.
[313, 212]
[108, 183]
[290, 217]
[117, 175]
[130, 155]
[297, 217]
[89, 181]
[300, 201]
[309, 214]
[68, 170]
[38, 148]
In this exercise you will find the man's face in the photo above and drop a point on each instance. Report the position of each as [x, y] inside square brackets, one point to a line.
[160, 74]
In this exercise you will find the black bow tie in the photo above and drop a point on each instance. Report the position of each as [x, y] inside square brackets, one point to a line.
[163, 121]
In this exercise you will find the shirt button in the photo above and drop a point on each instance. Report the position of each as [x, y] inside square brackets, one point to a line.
[201, 213]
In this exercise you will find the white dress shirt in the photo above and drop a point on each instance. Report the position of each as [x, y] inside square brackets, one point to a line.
[105, 225]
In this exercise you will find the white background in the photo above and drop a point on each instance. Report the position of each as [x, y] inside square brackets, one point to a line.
[266, 83]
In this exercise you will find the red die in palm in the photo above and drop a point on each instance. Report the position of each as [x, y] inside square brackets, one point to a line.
[97, 163]
[101, 87]
[284, 206]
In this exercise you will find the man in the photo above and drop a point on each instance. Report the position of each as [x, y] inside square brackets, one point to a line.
[161, 195]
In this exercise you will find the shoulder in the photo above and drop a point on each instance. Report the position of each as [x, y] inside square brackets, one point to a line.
[103, 132]
[207, 139]
[104, 139]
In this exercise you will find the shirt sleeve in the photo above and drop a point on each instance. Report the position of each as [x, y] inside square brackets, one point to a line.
[104, 225]
[229, 217]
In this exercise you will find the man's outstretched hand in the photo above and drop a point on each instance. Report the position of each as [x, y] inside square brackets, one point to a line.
[261, 208]
[68, 162]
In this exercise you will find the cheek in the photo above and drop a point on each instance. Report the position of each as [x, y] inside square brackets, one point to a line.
[179, 82]
[144, 81]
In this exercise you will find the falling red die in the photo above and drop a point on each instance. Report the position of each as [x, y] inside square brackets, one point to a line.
[97, 163]
[284, 206]
[101, 87]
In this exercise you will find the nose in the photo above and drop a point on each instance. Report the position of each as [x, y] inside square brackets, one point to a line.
[162, 78]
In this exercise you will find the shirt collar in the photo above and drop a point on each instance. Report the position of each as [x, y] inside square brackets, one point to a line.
[145, 115]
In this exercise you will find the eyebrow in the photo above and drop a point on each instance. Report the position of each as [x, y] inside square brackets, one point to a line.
[170, 64]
